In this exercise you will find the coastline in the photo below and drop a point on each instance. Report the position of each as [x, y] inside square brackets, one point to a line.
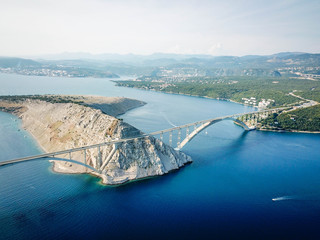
[142, 178]
[287, 131]
[57, 126]
[190, 95]
[229, 100]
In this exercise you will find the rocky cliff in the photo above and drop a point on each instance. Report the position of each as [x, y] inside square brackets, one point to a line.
[59, 126]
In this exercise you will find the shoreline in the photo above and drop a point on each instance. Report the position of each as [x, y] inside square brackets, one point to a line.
[227, 100]
[116, 76]
[139, 179]
[52, 169]
[56, 126]
[100, 179]
[287, 131]
[190, 95]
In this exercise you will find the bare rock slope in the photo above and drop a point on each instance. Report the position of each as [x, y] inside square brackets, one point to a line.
[59, 126]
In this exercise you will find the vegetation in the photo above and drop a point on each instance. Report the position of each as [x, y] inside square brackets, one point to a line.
[46, 98]
[313, 94]
[273, 81]
[304, 119]
[236, 88]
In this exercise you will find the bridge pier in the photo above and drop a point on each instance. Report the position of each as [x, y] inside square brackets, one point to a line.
[98, 162]
[85, 157]
[109, 157]
[241, 119]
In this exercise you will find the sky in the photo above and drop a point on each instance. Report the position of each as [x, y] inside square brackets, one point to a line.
[228, 27]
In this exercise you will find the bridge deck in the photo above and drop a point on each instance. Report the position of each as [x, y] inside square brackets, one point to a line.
[52, 154]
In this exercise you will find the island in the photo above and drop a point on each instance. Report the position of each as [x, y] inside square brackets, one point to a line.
[60, 122]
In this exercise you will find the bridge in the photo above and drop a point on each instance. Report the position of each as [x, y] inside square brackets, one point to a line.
[184, 134]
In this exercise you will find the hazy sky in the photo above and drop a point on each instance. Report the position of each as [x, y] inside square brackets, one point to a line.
[226, 27]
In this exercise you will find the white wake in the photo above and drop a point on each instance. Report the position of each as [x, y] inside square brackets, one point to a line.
[305, 197]
[283, 198]
[168, 120]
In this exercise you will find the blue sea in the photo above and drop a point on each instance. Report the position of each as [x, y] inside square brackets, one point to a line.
[241, 185]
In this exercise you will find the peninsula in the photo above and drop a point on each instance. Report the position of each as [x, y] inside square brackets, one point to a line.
[61, 122]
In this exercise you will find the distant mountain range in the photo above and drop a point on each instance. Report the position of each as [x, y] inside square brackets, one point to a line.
[130, 64]
[165, 59]
[8, 62]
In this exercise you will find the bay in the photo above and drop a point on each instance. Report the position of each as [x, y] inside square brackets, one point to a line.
[225, 193]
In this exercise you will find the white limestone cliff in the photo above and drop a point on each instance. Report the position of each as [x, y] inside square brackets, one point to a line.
[59, 126]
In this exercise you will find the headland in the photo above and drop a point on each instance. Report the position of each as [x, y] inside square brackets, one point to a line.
[61, 122]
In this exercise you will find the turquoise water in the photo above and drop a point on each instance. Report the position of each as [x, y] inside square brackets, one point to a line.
[225, 193]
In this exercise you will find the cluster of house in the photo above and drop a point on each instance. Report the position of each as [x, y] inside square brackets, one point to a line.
[41, 72]
[250, 101]
[180, 73]
[253, 101]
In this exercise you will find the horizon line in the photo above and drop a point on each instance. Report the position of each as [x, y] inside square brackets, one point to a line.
[144, 55]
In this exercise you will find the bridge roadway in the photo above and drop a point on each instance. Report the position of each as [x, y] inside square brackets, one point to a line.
[53, 154]
[233, 116]
[203, 124]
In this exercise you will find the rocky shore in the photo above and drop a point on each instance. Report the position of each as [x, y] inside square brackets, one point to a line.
[67, 124]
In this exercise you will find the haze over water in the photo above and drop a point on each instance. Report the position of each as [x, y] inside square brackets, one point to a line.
[226, 192]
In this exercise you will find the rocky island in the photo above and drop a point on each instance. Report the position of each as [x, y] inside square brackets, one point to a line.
[61, 122]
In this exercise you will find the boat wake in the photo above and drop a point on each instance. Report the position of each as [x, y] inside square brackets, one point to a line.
[167, 119]
[309, 197]
[283, 198]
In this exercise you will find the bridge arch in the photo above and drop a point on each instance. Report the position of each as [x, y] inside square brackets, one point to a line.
[241, 123]
[202, 125]
[74, 161]
[205, 125]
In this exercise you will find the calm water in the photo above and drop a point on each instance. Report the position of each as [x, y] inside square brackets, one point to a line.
[225, 193]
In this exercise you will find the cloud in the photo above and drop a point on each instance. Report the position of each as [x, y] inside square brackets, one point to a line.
[146, 26]
[175, 49]
[215, 49]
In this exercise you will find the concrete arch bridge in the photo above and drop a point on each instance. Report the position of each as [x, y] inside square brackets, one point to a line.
[246, 120]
